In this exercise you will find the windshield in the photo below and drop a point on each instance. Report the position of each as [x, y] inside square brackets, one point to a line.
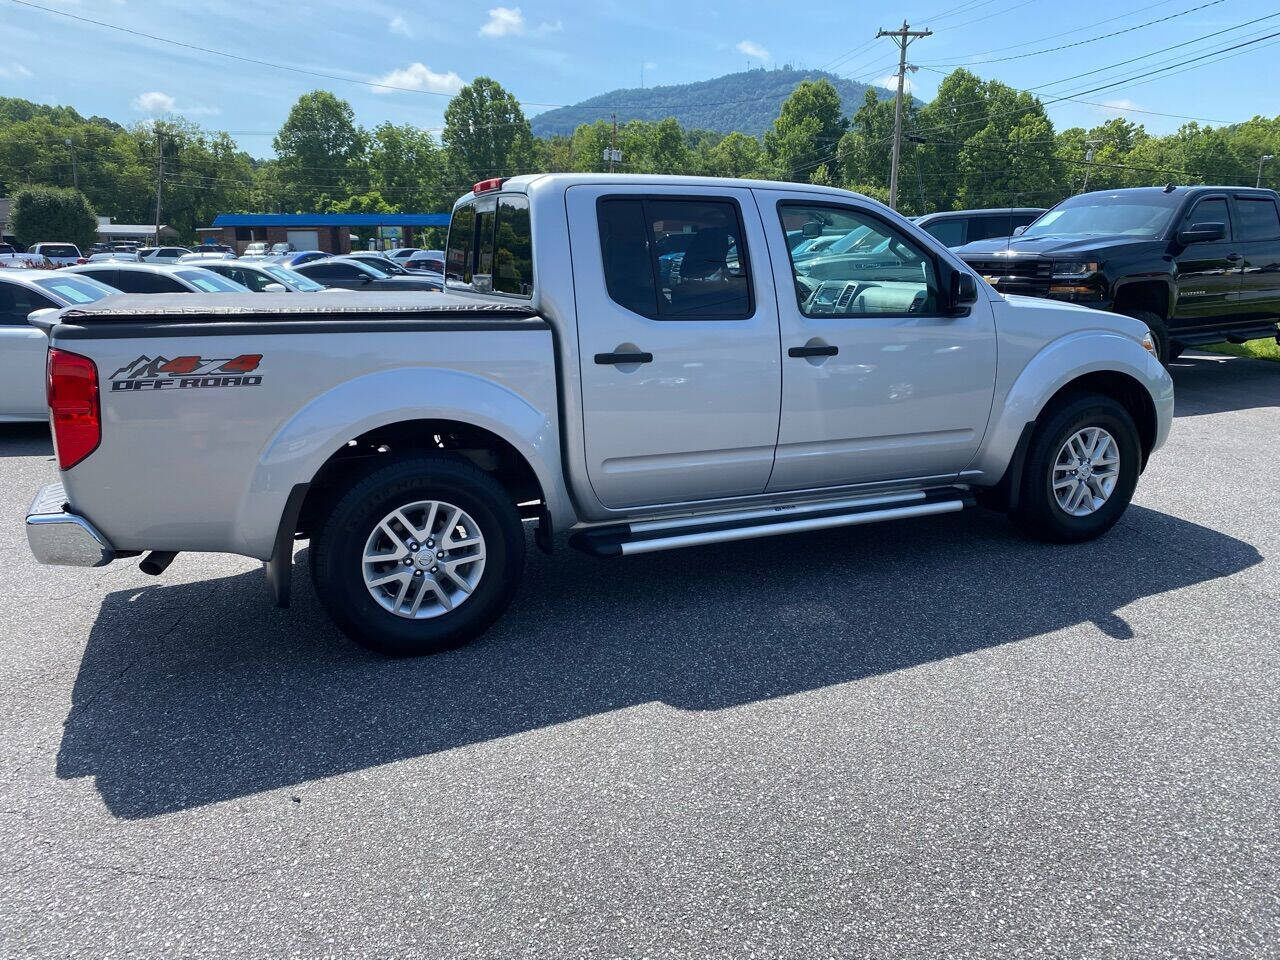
[75, 290]
[210, 282]
[1105, 215]
[293, 278]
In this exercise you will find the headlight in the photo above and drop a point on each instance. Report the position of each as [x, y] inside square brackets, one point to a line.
[1074, 269]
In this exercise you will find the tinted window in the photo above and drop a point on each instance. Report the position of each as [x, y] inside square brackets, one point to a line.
[628, 268]
[1258, 219]
[1210, 211]
[1022, 219]
[898, 278]
[1142, 213]
[58, 250]
[703, 277]
[107, 276]
[482, 275]
[513, 247]
[950, 233]
[287, 276]
[986, 228]
[16, 301]
[462, 229]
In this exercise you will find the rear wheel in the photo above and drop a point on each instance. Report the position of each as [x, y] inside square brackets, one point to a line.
[1166, 352]
[419, 556]
[1081, 470]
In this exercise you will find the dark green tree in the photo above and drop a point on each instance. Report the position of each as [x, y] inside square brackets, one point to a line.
[486, 133]
[53, 213]
[319, 149]
[806, 134]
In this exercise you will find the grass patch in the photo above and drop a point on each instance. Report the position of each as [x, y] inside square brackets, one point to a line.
[1257, 349]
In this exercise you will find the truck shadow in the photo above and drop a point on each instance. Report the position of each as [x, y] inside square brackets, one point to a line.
[198, 693]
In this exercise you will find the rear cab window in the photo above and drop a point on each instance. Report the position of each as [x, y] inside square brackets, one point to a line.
[490, 246]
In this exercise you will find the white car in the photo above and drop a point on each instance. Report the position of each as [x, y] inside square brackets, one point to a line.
[206, 256]
[424, 261]
[158, 278]
[162, 254]
[264, 277]
[22, 346]
[59, 254]
[256, 249]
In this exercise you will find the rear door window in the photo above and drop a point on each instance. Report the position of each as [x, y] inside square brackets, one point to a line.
[705, 275]
[1258, 218]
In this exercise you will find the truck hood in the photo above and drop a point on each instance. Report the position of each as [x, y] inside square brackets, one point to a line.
[1068, 316]
[1100, 246]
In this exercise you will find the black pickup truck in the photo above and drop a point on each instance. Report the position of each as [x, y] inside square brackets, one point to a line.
[1197, 264]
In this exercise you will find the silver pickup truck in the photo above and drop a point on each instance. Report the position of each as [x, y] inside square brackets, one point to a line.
[641, 363]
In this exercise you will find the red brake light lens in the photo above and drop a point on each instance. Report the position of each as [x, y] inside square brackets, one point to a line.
[74, 406]
[493, 183]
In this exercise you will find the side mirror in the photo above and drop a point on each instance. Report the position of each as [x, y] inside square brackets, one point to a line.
[365, 278]
[275, 288]
[1202, 233]
[1019, 231]
[964, 290]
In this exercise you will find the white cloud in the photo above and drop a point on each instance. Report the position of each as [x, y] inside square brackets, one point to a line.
[1119, 105]
[650, 65]
[15, 71]
[753, 49]
[399, 25]
[154, 102]
[510, 22]
[890, 82]
[504, 22]
[417, 76]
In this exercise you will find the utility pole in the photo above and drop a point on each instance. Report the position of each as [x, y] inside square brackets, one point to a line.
[613, 141]
[1261, 160]
[903, 39]
[75, 169]
[159, 179]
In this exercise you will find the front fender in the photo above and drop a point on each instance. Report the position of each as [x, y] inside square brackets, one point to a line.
[302, 445]
[1059, 363]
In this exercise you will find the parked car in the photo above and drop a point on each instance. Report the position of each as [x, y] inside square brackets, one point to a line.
[402, 253]
[113, 256]
[58, 254]
[25, 260]
[955, 228]
[161, 254]
[425, 261]
[574, 390]
[22, 346]
[349, 274]
[280, 249]
[1195, 264]
[299, 257]
[263, 277]
[158, 278]
[378, 261]
[257, 248]
[207, 256]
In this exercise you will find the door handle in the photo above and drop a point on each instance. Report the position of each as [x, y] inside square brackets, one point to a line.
[613, 358]
[814, 350]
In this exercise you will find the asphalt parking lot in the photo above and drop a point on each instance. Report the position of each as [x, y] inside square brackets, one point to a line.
[929, 738]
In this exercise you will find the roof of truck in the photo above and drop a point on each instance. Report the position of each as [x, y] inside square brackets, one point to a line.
[522, 183]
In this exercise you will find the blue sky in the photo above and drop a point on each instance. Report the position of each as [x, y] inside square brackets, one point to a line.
[551, 53]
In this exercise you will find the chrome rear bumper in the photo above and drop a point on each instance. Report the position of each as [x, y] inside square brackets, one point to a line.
[63, 538]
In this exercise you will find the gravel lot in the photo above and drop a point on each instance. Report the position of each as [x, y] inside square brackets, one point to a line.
[930, 738]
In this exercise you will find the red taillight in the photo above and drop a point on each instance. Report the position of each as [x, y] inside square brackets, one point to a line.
[493, 183]
[74, 406]
[81, 260]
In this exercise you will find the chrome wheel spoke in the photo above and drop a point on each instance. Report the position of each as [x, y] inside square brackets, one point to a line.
[1085, 471]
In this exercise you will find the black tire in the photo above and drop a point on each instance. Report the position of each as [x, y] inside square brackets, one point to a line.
[1175, 351]
[337, 551]
[1038, 513]
[1165, 349]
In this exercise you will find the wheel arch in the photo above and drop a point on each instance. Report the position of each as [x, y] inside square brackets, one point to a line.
[1145, 293]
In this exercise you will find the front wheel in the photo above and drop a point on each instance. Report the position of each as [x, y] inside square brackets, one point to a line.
[1166, 350]
[1081, 470]
[419, 556]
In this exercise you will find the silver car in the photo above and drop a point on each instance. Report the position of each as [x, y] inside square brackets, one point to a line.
[22, 346]
[158, 278]
[263, 277]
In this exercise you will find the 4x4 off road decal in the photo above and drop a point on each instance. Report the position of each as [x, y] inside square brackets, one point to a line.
[188, 373]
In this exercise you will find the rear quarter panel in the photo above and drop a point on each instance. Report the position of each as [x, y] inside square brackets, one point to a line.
[210, 468]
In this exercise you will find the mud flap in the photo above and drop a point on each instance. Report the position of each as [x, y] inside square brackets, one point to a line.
[279, 569]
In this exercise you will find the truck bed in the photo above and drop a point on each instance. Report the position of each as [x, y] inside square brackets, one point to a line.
[215, 406]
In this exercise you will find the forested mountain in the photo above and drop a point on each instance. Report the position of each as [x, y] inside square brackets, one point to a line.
[746, 102]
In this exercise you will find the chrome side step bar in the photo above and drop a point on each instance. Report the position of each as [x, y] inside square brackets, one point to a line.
[649, 536]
